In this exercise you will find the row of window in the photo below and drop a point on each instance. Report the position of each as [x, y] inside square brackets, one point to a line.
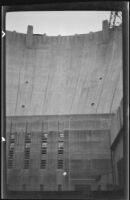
[43, 150]
[60, 148]
[44, 164]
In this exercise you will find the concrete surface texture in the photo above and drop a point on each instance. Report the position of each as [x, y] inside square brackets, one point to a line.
[62, 75]
[86, 153]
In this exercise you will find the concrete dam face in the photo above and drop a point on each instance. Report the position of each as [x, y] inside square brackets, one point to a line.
[80, 74]
[63, 109]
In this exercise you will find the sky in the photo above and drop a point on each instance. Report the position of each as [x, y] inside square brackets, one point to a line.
[57, 22]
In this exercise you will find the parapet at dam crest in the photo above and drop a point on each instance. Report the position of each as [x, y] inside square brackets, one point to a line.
[63, 75]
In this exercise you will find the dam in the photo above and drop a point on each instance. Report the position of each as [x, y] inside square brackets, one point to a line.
[64, 111]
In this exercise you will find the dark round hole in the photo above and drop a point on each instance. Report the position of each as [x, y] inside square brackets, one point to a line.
[23, 106]
[92, 104]
[26, 82]
[100, 78]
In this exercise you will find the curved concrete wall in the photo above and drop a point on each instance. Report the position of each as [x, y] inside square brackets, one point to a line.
[50, 75]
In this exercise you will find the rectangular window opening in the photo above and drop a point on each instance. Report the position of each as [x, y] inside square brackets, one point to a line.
[61, 137]
[41, 187]
[44, 137]
[26, 164]
[60, 164]
[12, 136]
[60, 151]
[27, 145]
[12, 140]
[59, 187]
[43, 164]
[10, 164]
[44, 144]
[28, 138]
[44, 151]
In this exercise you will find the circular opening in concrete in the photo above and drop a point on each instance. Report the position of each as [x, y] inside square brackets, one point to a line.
[100, 78]
[26, 82]
[23, 106]
[92, 104]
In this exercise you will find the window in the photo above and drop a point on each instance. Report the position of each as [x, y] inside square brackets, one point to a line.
[27, 145]
[10, 164]
[60, 151]
[61, 137]
[43, 151]
[44, 148]
[12, 140]
[27, 138]
[12, 136]
[60, 164]
[60, 144]
[11, 145]
[59, 187]
[44, 137]
[26, 164]
[11, 154]
[44, 144]
[41, 187]
[43, 164]
[27, 154]
[60, 147]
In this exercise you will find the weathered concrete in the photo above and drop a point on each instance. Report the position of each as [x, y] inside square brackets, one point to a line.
[86, 152]
[59, 123]
[50, 75]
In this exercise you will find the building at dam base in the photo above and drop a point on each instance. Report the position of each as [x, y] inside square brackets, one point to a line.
[45, 147]
[64, 111]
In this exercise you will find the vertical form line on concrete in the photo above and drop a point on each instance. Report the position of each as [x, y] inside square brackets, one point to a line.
[17, 92]
[46, 90]
[33, 79]
[105, 75]
[77, 83]
[115, 89]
